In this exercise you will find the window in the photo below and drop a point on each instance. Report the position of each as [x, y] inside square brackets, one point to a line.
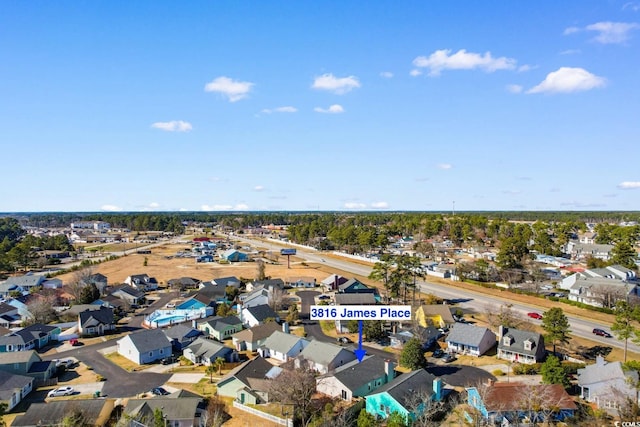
[344, 394]
[506, 341]
[9, 347]
[161, 351]
[151, 354]
[527, 345]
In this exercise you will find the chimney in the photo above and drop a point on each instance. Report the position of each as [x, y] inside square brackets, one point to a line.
[600, 361]
[500, 331]
[285, 327]
[335, 282]
[193, 324]
[437, 389]
[389, 369]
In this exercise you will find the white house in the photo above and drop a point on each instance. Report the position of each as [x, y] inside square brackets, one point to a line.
[323, 357]
[14, 388]
[469, 339]
[145, 346]
[607, 384]
[282, 347]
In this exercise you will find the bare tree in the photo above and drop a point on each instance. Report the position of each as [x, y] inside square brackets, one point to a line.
[607, 296]
[41, 309]
[276, 297]
[505, 316]
[79, 280]
[215, 414]
[295, 387]
[260, 270]
[541, 403]
[426, 411]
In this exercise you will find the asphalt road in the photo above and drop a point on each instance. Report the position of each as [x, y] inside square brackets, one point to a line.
[475, 302]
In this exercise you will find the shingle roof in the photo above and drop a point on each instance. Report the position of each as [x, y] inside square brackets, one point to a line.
[355, 299]
[281, 342]
[219, 323]
[441, 310]
[104, 315]
[464, 333]
[28, 280]
[254, 368]
[518, 337]
[508, 396]
[258, 332]
[9, 382]
[17, 356]
[227, 281]
[149, 340]
[53, 412]
[129, 290]
[406, 385]
[180, 331]
[35, 331]
[324, 353]
[207, 349]
[355, 374]
[262, 312]
[603, 371]
[175, 409]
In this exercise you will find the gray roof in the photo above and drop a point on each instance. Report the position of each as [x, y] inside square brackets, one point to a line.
[404, 386]
[9, 382]
[254, 368]
[35, 331]
[355, 299]
[218, 323]
[262, 312]
[79, 308]
[175, 409]
[588, 282]
[53, 412]
[258, 332]
[518, 337]
[180, 331]
[26, 281]
[129, 290]
[281, 342]
[464, 333]
[149, 340]
[209, 349]
[104, 316]
[603, 371]
[227, 281]
[325, 353]
[6, 308]
[17, 356]
[355, 374]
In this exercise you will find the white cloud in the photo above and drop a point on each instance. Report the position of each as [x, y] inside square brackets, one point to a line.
[629, 185]
[238, 207]
[570, 52]
[514, 88]
[415, 72]
[234, 90]
[338, 85]
[634, 6]
[567, 80]
[511, 192]
[524, 68]
[462, 60]
[258, 188]
[286, 109]
[445, 166]
[607, 32]
[355, 205]
[612, 32]
[173, 126]
[111, 208]
[386, 74]
[380, 205]
[333, 109]
[241, 207]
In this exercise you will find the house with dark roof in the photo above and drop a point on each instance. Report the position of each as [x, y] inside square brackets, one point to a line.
[301, 282]
[516, 403]
[99, 280]
[258, 297]
[520, 346]
[607, 384]
[183, 283]
[35, 336]
[145, 346]
[282, 346]
[427, 336]
[181, 335]
[14, 388]
[9, 316]
[253, 338]
[27, 282]
[232, 281]
[323, 357]
[404, 394]
[177, 411]
[205, 351]
[356, 379]
[470, 340]
[220, 328]
[248, 383]
[352, 299]
[268, 284]
[27, 363]
[212, 292]
[129, 294]
[96, 322]
[354, 286]
[255, 315]
[96, 412]
[142, 282]
[332, 282]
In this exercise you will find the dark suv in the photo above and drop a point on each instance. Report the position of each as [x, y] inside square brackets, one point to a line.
[602, 333]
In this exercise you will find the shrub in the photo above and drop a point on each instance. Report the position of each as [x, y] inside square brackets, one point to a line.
[571, 368]
[521, 369]
[497, 372]
[100, 378]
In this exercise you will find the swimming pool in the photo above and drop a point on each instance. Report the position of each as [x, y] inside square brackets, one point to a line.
[162, 318]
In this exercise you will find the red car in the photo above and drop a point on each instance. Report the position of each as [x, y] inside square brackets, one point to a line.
[535, 315]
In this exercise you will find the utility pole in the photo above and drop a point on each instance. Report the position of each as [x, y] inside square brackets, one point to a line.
[453, 212]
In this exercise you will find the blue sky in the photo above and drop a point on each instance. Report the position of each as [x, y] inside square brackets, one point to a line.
[332, 105]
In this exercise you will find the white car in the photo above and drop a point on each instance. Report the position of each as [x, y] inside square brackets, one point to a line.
[170, 305]
[61, 391]
[67, 363]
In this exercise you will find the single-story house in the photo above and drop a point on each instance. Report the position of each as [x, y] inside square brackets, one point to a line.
[332, 282]
[323, 357]
[205, 351]
[35, 336]
[27, 363]
[438, 315]
[177, 411]
[14, 388]
[301, 282]
[232, 281]
[96, 412]
[427, 336]
[253, 338]
[607, 384]
[404, 394]
[129, 294]
[258, 297]
[469, 339]
[248, 383]
[96, 322]
[282, 346]
[514, 403]
[221, 328]
[181, 335]
[255, 315]
[142, 282]
[183, 283]
[145, 346]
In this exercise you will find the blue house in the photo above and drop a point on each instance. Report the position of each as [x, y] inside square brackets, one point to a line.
[233, 255]
[514, 403]
[32, 337]
[399, 395]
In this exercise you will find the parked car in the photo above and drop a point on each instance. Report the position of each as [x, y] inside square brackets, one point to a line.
[437, 353]
[170, 305]
[448, 358]
[67, 363]
[75, 342]
[534, 315]
[61, 391]
[344, 340]
[159, 391]
[167, 360]
[602, 333]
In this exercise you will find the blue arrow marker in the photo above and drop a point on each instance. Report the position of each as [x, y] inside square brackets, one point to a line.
[360, 353]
